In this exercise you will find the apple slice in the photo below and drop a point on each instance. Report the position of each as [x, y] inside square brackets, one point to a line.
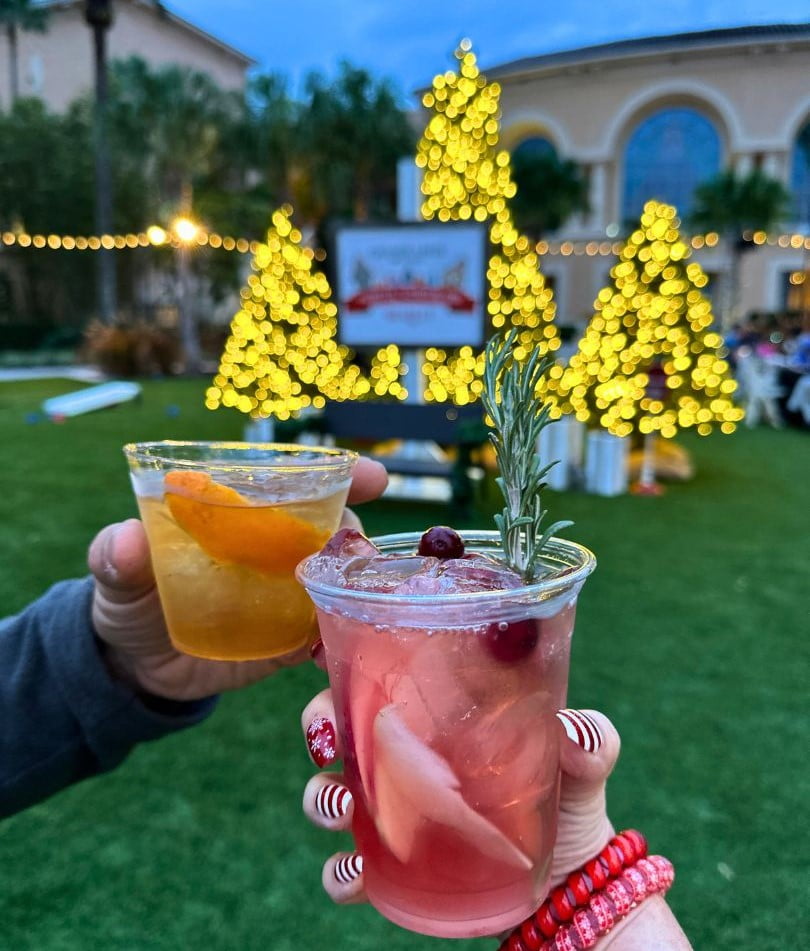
[367, 658]
[412, 783]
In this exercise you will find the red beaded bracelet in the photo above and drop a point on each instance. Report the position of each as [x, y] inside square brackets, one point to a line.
[622, 853]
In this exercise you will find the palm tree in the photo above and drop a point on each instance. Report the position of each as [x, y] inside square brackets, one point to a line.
[732, 205]
[549, 190]
[174, 118]
[266, 135]
[16, 15]
[352, 131]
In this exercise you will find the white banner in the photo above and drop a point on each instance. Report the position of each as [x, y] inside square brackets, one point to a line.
[414, 285]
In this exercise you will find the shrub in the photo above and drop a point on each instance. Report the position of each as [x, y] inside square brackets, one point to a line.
[137, 349]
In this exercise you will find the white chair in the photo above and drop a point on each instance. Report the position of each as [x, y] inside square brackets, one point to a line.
[759, 390]
[799, 401]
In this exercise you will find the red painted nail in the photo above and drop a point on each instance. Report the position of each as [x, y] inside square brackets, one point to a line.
[321, 742]
[318, 654]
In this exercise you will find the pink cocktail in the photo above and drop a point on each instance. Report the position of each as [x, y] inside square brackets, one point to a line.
[446, 676]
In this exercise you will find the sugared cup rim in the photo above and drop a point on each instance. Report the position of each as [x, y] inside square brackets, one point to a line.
[326, 457]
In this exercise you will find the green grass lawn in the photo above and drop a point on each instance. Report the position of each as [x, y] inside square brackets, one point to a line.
[692, 635]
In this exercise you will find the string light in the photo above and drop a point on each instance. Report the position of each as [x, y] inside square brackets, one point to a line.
[186, 230]
[156, 236]
[653, 314]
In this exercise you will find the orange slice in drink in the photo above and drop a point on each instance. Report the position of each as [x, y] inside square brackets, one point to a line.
[230, 529]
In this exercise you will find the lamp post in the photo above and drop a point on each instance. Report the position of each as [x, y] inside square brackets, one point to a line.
[656, 390]
[185, 232]
[99, 17]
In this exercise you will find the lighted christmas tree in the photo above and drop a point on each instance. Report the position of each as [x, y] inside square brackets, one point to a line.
[466, 178]
[282, 355]
[649, 360]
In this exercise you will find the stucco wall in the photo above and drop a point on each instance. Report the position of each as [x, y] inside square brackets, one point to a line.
[57, 65]
[758, 97]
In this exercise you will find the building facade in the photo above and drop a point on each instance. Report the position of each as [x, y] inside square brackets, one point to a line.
[57, 65]
[653, 118]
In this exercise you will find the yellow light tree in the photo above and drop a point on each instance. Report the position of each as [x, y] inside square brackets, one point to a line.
[282, 355]
[466, 178]
[649, 360]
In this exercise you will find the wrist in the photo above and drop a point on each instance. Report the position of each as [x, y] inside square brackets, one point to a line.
[123, 669]
[651, 926]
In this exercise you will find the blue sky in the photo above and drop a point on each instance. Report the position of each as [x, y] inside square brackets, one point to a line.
[411, 40]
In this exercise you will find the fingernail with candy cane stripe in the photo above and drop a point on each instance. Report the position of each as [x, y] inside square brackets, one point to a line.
[582, 729]
[333, 801]
[348, 868]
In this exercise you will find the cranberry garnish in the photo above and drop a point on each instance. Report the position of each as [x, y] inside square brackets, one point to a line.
[511, 642]
[441, 542]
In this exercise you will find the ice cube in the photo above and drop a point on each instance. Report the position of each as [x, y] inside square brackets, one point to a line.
[476, 572]
[425, 583]
[394, 575]
[413, 783]
[430, 690]
[344, 547]
[514, 751]
[348, 542]
[351, 559]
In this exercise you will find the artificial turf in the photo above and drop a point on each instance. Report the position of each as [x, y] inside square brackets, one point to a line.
[692, 635]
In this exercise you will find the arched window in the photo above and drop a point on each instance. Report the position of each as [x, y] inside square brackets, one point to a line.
[535, 146]
[800, 174]
[668, 155]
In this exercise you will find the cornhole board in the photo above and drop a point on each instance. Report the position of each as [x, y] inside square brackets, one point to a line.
[90, 398]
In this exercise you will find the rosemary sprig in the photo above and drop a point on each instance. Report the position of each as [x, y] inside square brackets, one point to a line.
[518, 415]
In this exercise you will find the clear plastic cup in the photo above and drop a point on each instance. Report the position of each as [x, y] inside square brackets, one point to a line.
[445, 704]
[227, 523]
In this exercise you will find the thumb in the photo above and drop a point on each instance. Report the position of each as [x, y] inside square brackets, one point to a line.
[589, 749]
[588, 752]
[126, 609]
[119, 560]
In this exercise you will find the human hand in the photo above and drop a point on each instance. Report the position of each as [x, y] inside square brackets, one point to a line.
[587, 757]
[128, 618]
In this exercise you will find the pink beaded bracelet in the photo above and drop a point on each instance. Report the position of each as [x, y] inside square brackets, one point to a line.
[605, 909]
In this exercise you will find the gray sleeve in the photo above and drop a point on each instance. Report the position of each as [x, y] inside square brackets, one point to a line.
[62, 716]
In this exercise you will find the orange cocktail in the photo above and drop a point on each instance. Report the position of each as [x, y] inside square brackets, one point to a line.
[227, 524]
